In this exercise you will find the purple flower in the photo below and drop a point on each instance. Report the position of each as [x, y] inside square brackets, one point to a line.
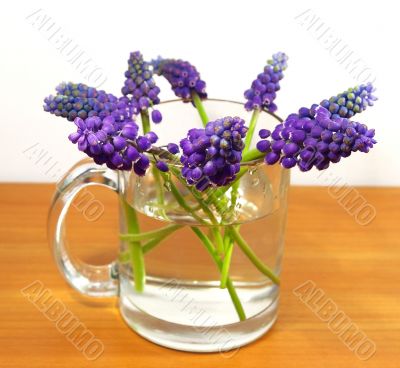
[113, 143]
[141, 165]
[173, 148]
[162, 166]
[212, 156]
[86, 135]
[315, 137]
[263, 90]
[78, 100]
[183, 77]
[156, 116]
[140, 85]
[350, 102]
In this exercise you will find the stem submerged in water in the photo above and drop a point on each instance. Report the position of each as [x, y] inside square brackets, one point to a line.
[150, 234]
[229, 285]
[148, 246]
[138, 265]
[218, 239]
[210, 248]
[135, 248]
[252, 256]
[227, 258]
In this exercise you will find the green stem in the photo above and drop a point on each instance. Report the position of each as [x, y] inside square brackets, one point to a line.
[200, 108]
[252, 127]
[132, 224]
[135, 248]
[195, 194]
[234, 197]
[165, 231]
[227, 239]
[138, 265]
[253, 154]
[241, 242]
[181, 201]
[147, 247]
[218, 239]
[210, 248]
[154, 242]
[217, 194]
[227, 258]
[160, 191]
[217, 260]
[124, 257]
[252, 256]
[145, 121]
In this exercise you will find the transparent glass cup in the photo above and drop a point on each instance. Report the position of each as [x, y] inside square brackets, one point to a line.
[171, 293]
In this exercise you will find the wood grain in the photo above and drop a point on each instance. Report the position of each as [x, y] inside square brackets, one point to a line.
[358, 267]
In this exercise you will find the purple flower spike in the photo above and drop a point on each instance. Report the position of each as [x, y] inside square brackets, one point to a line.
[78, 100]
[211, 156]
[350, 102]
[322, 134]
[140, 86]
[183, 77]
[315, 137]
[263, 90]
[113, 143]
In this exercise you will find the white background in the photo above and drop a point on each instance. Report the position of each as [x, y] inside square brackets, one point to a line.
[227, 41]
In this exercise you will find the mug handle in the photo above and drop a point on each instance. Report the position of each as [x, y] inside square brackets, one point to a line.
[98, 281]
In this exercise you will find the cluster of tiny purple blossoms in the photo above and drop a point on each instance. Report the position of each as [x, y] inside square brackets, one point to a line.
[350, 102]
[211, 156]
[113, 143]
[314, 138]
[183, 77]
[140, 85]
[78, 100]
[263, 90]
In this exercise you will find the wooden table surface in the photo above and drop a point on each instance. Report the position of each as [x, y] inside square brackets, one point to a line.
[357, 266]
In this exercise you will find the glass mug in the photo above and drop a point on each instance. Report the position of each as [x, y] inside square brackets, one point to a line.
[181, 304]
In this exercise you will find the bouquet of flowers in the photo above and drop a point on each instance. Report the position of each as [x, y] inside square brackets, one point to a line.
[209, 162]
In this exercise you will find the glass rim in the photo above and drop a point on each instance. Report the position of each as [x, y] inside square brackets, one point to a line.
[256, 162]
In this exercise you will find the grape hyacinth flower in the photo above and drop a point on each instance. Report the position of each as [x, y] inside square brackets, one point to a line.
[183, 77]
[211, 156]
[263, 90]
[78, 100]
[350, 102]
[173, 148]
[114, 143]
[314, 137]
[140, 85]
